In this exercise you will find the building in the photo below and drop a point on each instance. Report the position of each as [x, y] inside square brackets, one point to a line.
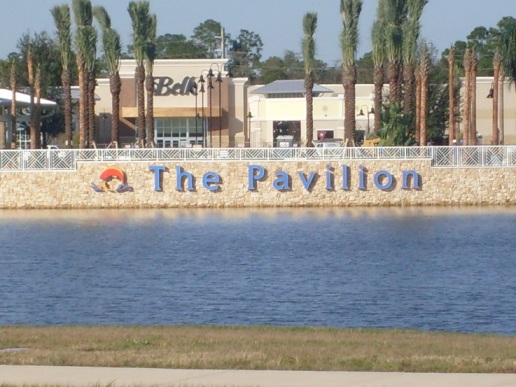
[198, 103]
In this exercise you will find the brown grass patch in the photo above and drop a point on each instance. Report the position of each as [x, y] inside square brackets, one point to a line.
[258, 348]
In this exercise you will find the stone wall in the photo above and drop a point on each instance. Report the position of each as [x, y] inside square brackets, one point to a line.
[324, 183]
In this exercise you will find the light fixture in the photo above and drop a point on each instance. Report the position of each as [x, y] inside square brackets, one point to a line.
[491, 91]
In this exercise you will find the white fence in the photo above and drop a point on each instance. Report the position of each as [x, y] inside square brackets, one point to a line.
[441, 157]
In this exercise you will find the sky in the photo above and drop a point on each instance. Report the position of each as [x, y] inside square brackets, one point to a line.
[278, 22]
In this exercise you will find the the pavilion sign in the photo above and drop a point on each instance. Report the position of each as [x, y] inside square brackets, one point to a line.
[257, 176]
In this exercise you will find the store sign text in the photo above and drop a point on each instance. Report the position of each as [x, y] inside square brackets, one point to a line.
[164, 86]
[258, 175]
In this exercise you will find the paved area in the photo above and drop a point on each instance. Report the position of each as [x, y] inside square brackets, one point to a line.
[89, 376]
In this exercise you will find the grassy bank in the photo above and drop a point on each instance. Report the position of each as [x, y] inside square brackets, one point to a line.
[257, 348]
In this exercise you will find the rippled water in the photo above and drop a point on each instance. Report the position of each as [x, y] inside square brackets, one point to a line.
[450, 269]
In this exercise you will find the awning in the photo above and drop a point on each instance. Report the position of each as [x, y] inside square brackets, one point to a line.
[22, 99]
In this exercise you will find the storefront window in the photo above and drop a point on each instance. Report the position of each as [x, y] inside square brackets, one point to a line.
[178, 132]
[286, 132]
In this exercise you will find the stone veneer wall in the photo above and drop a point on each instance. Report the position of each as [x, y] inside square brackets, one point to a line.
[72, 189]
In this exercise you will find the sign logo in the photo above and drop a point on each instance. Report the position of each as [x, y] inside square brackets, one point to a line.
[113, 180]
[164, 86]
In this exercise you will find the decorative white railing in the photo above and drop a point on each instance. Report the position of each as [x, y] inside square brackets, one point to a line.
[440, 157]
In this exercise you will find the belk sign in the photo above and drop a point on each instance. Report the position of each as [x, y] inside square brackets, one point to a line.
[164, 86]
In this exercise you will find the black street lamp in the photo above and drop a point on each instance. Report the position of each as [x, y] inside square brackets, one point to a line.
[210, 88]
[247, 138]
[193, 90]
[219, 85]
[104, 118]
[368, 113]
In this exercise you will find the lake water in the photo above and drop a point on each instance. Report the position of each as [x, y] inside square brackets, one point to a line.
[438, 269]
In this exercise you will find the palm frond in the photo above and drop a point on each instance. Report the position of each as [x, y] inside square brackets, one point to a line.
[62, 21]
[102, 16]
[308, 44]
[350, 12]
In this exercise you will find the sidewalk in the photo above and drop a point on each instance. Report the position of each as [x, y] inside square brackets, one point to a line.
[89, 376]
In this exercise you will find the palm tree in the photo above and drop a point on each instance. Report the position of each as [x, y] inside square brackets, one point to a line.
[308, 48]
[497, 62]
[424, 73]
[91, 56]
[467, 96]
[473, 124]
[62, 20]
[350, 12]
[378, 55]
[395, 14]
[501, 136]
[508, 52]
[83, 17]
[34, 142]
[417, 130]
[112, 53]
[13, 84]
[411, 29]
[150, 56]
[451, 93]
[139, 13]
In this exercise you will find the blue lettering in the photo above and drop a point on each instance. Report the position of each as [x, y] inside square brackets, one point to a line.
[307, 182]
[378, 176]
[158, 176]
[361, 178]
[256, 172]
[415, 179]
[345, 177]
[329, 178]
[210, 181]
[179, 182]
[282, 182]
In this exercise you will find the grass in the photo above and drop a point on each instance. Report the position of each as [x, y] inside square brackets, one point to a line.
[257, 348]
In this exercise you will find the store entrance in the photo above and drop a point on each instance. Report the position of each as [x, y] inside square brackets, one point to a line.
[178, 132]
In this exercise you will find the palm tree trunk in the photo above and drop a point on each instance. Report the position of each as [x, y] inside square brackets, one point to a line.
[501, 139]
[408, 78]
[82, 105]
[36, 116]
[467, 96]
[309, 85]
[496, 77]
[349, 78]
[149, 123]
[115, 86]
[13, 104]
[67, 107]
[425, 69]
[91, 108]
[451, 95]
[473, 124]
[392, 75]
[140, 101]
[417, 132]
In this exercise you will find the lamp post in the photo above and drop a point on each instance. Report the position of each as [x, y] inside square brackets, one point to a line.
[368, 113]
[104, 118]
[248, 137]
[193, 90]
[210, 88]
[219, 86]
[202, 91]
